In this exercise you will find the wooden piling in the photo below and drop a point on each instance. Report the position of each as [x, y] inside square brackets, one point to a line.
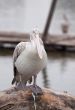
[49, 19]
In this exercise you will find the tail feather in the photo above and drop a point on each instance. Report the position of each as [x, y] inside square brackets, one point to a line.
[13, 81]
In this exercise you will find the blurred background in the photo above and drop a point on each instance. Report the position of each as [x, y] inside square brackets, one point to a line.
[22, 16]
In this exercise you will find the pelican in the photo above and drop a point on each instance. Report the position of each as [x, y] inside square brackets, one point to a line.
[29, 58]
[65, 24]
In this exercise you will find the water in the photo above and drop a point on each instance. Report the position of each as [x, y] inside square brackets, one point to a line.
[23, 16]
[59, 74]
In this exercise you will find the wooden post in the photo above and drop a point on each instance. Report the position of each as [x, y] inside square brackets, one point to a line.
[48, 23]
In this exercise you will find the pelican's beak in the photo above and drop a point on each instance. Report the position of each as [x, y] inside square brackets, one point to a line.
[39, 46]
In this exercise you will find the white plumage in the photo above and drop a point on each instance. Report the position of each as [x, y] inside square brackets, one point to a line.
[29, 58]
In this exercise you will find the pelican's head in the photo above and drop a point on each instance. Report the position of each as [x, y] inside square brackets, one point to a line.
[36, 41]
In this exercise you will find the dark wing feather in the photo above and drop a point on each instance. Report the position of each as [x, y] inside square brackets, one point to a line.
[19, 48]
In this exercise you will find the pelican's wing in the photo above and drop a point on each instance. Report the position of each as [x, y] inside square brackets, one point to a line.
[19, 48]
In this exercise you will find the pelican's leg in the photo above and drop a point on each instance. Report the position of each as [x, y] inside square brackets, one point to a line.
[34, 83]
[36, 89]
[21, 84]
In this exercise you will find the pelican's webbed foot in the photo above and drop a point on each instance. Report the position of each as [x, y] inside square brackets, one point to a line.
[21, 86]
[36, 90]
